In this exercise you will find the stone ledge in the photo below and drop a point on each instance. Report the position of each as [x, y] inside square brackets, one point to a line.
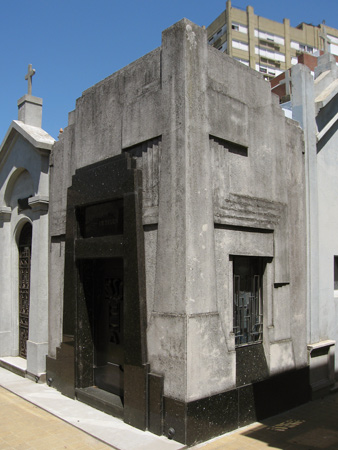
[14, 364]
[39, 203]
[5, 213]
[321, 344]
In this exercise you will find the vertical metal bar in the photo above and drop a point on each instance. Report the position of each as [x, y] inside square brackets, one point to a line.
[237, 315]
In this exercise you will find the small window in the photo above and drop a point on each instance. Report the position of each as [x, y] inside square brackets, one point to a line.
[248, 303]
[235, 27]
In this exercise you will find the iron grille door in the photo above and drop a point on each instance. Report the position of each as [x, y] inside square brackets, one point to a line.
[24, 287]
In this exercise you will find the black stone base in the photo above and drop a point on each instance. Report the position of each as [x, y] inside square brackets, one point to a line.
[194, 422]
[60, 371]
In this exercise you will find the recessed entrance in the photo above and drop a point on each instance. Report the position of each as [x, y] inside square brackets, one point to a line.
[103, 290]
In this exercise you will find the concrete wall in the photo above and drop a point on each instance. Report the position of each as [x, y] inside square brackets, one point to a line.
[268, 182]
[314, 105]
[328, 243]
[327, 170]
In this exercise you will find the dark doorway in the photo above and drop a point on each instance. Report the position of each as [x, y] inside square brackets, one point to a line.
[103, 289]
[24, 246]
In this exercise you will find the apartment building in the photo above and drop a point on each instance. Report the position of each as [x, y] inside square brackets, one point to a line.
[265, 45]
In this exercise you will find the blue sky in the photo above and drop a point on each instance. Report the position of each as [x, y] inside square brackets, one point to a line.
[74, 44]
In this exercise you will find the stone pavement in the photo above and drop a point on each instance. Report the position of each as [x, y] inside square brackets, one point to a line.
[25, 426]
[36, 417]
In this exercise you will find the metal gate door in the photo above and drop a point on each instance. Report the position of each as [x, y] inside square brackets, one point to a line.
[25, 243]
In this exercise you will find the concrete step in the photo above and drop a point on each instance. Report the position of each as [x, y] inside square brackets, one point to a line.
[14, 364]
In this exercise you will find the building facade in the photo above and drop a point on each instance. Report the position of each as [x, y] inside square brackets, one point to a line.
[265, 45]
[177, 294]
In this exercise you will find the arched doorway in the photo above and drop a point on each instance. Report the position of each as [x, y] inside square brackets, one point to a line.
[24, 247]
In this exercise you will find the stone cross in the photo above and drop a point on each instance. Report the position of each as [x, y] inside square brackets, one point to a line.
[323, 35]
[287, 82]
[28, 77]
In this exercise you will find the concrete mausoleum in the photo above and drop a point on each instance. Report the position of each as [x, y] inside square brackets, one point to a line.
[177, 237]
[24, 198]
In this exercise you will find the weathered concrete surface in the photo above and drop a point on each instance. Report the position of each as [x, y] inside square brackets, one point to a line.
[185, 268]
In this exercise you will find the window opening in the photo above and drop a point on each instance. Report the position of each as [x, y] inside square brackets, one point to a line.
[248, 307]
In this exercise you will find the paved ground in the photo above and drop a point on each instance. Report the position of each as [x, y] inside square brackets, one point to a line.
[36, 417]
[57, 416]
[26, 426]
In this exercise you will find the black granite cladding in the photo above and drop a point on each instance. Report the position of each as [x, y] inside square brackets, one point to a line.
[155, 413]
[175, 419]
[251, 365]
[60, 371]
[104, 207]
[209, 417]
[246, 405]
[135, 395]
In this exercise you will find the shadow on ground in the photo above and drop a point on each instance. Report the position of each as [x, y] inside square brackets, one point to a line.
[308, 427]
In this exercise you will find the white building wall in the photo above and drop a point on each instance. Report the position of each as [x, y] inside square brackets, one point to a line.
[24, 174]
[269, 37]
[328, 238]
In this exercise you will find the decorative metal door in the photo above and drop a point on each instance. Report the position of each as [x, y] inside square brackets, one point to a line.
[25, 243]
